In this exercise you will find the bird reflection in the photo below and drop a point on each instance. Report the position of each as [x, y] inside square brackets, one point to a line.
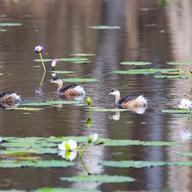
[138, 110]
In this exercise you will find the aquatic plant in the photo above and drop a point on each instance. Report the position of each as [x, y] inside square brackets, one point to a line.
[39, 49]
[69, 149]
[89, 101]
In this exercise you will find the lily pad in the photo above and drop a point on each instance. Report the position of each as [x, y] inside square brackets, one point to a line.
[142, 164]
[48, 103]
[114, 142]
[74, 60]
[179, 62]
[177, 111]
[102, 27]
[64, 72]
[49, 189]
[146, 71]
[137, 63]
[82, 54]
[9, 24]
[99, 109]
[99, 179]
[25, 109]
[79, 80]
[3, 30]
[35, 163]
[171, 76]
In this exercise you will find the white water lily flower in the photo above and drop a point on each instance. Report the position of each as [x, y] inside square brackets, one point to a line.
[185, 104]
[68, 155]
[93, 138]
[70, 145]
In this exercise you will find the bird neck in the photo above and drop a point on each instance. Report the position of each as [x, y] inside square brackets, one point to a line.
[60, 86]
[117, 98]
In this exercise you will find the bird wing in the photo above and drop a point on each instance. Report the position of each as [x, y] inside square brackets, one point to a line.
[2, 94]
[71, 86]
[127, 98]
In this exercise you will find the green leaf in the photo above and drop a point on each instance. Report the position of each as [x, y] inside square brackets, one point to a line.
[49, 189]
[98, 178]
[64, 72]
[177, 111]
[48, 103]
[146, 71]
[99, 109]
[102, 27]
[137, 63]
[114, 142]
[9, 24]
[79, 80]
[35, 163]
[75, 60]
[179, 62]
[142, 164]
[3, 30]
[82, 54]
[172, 76]
[25, 109]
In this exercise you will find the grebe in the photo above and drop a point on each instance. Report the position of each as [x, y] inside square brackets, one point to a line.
[128, 101]
[69, 91]
[9, 98]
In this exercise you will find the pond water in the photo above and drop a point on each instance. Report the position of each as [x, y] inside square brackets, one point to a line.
[148, 30]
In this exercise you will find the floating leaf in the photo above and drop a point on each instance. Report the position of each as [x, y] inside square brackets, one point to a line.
[171, 76]
[114, 142]
[3, 30]
[64, 72]
[179, 62]
[9, 24]
[179, 111]
[35, 163]
[138, 63]
[146, 71]
[49, 189]
[142, 164]
[99, 178]
[79, 80]
[101, 27]
[82, 54]
[75, 60]
[47, 103]
[187, 154]
[98, 109]
[25, 109]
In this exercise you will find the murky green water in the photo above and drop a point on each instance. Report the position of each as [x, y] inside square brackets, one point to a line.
[147, 31]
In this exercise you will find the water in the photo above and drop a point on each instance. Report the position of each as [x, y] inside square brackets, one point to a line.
[148, 31]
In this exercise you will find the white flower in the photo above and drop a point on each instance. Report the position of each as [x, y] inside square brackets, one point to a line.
[93, 138]
[68, 155]
[1, 139]
[186, 135]
[185, 104]
[70, 145]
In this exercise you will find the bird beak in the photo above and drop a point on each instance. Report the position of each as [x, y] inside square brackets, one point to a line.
[110, 93]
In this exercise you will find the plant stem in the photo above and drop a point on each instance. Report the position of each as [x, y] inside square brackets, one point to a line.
[42, 80]
[84, 166]
[42, 61]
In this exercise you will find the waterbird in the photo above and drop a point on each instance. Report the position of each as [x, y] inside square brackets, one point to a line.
[128, 101]
[70, 91]
[9, 99]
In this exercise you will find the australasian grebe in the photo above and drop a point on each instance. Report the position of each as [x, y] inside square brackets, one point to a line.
[9, 97]
[128, 101]
[70, 91]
